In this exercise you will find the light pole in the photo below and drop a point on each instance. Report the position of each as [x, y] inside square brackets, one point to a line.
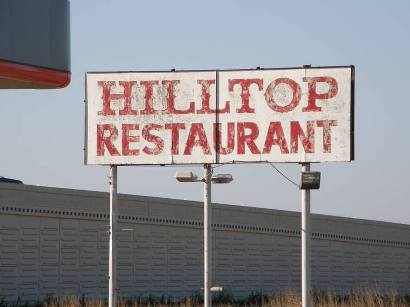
[112, 256]
[207, 179]
[207, 236]
[308, 180]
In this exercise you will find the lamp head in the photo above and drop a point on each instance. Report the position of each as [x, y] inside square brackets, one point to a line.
[186, 177]
[222, 178]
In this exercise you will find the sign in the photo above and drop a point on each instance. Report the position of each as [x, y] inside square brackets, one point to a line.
[197, 117]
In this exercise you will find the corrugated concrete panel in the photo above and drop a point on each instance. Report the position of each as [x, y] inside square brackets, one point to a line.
[55, 242]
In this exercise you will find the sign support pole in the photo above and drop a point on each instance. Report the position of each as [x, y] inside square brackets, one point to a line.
[112, 270]
[207, 236]
[306, 242]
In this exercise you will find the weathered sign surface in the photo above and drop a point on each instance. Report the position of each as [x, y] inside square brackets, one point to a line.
[187, 117]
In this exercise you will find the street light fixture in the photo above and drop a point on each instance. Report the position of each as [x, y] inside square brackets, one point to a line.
[309, 180]
[191, 177]
[222, 178]
[186, 177]
[206, 179]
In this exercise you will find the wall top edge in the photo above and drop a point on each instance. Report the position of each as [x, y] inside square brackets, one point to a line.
[192, 203]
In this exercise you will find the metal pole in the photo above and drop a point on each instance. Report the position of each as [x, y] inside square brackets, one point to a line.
[207, 236]
[112, 269]
[306, 242]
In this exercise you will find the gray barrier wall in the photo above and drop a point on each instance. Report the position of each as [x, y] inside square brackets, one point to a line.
[55, 242]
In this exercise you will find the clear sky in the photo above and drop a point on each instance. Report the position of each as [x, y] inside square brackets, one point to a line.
[43, 130]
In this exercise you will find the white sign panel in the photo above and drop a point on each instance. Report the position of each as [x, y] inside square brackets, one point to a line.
[196, 117]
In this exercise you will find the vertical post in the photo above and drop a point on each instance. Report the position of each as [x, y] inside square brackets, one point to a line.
[306, 242]
[207, 236]
[112, 270]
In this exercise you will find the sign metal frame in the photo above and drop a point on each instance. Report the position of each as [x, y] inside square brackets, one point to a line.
[217, 158]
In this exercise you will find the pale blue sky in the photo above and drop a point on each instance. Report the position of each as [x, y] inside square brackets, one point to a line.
[43, 131]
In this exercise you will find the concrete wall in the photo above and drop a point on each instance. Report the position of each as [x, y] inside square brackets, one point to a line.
[55, 242]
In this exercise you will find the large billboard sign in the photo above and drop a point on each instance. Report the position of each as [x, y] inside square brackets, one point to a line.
[197, 117]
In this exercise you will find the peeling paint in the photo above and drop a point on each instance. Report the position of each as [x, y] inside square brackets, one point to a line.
[195, 117]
